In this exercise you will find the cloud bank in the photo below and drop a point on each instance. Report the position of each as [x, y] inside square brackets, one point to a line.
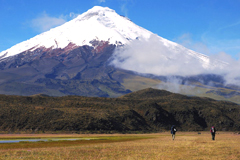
[158, 57]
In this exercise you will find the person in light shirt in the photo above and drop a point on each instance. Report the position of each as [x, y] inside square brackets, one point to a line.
[213, 132]
[173, 131]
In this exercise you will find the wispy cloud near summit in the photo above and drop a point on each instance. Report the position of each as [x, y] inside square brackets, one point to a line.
[45, 22]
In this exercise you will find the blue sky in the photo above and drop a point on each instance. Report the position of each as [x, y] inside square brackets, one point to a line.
[207, 26]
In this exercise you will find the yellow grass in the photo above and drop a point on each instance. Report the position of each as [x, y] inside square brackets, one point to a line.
[137, 83]
[159, 146]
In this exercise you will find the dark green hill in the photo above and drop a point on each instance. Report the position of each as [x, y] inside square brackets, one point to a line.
[148, 110]
[147, 93]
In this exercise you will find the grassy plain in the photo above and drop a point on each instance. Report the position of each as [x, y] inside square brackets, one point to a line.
[187, 145]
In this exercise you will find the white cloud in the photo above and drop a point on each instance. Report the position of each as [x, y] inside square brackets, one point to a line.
[124, 9]
[152, 56]
[229, 26]
[101, 1]
[232, 71]
[45, 22]
[187, 41]
[177, 85]
[215, 51]
[72, 15]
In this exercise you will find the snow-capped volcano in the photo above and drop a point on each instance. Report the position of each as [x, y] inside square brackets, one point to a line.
[98, 23]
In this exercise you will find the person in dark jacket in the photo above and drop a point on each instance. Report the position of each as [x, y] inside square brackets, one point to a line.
[213, 132]
[173, 131]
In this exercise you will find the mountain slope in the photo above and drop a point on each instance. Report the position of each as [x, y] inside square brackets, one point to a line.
[81, 71]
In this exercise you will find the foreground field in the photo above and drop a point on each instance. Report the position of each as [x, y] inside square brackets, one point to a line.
[141, 146]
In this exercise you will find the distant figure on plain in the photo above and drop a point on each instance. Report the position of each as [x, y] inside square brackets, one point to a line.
[173, 131]
[213, 132]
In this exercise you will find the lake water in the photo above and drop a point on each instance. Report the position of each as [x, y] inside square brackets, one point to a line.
[41, 140]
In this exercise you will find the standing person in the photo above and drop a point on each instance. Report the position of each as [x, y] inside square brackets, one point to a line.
[173, 131]
[213, 132]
